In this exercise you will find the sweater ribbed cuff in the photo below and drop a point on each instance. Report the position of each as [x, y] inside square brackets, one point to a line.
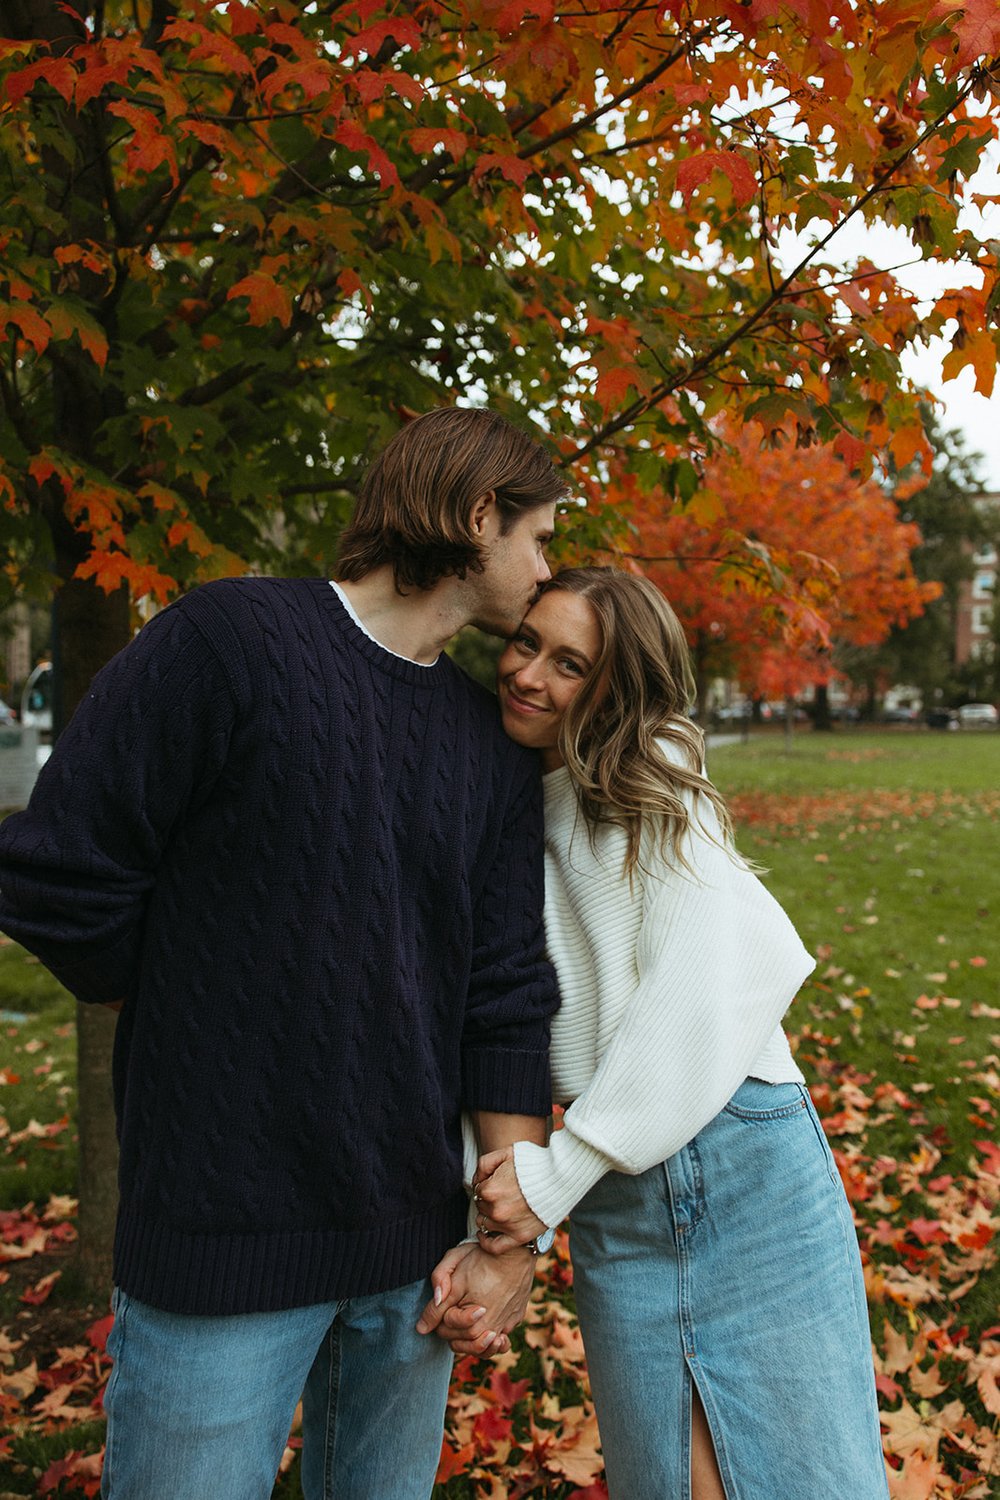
[555, 1177]
[506, 1081]
[102, 979]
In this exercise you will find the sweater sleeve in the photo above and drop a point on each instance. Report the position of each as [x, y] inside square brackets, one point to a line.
[77, 865]
[512, 988]
[718, 964]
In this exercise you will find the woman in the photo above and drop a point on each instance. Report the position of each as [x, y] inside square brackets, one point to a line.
[716, 1266]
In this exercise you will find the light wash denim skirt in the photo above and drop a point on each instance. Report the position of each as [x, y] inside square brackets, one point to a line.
[733, 1266]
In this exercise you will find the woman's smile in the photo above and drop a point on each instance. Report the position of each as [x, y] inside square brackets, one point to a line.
[543, 667]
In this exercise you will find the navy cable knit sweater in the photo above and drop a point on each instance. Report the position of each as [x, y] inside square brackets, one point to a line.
[313, 872]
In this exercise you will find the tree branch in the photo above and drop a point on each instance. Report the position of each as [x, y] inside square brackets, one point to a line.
[667, 388]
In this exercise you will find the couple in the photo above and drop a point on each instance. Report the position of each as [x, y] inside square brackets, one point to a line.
[291, 842]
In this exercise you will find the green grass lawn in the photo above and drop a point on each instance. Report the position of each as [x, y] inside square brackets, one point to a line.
[889, 867]
[883, 848]
[888, 864]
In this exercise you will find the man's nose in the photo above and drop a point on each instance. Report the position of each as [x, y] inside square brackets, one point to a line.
[543, 572]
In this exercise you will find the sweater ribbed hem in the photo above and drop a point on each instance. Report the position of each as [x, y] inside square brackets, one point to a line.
[221, 1274]
[511, 1082]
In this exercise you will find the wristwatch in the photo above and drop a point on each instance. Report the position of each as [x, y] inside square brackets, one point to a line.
[542, 1243]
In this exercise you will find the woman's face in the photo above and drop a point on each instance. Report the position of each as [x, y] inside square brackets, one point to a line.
[543, 668]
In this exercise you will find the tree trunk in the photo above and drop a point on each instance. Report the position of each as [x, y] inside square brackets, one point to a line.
[90, 626]
[822, 719]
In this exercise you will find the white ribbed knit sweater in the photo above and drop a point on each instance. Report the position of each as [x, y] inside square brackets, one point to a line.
[672, 994]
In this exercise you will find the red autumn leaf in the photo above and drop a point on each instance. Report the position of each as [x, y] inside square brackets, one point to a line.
[403, 30]
[978, 30]
[149, 147]
[57, 71]
[976, 1239]
[267, 298]
[454, 1461]
[39, 1293]
[927, 1231]
[33, 326]
[455, 142]
[98, 1332]
[614, 385]
[65, 321]
[244, 20]
[84, 1469]
[508, 1392]
[512, 167]
[492, 1427]
[514, 14]
[354, 138]
[695, 170]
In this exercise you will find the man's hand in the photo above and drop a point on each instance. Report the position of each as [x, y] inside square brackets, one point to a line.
[505, 1218]
[478, 1298]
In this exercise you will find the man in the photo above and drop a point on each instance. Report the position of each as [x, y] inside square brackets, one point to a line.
[288, 837]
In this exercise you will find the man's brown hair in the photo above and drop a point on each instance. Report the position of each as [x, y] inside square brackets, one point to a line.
[415, 506]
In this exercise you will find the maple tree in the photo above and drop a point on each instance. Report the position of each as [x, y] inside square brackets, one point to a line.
[782, 556]
[239, 241]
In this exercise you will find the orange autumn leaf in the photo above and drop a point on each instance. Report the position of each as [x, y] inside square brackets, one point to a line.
[267, 298]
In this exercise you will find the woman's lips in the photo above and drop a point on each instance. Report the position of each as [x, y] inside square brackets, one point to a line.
[522, 706]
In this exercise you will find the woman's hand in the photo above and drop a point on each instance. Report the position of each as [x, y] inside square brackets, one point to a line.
[478, 1299]
[504, 1218]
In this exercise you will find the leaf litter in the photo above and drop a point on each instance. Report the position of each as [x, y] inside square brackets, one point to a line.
[524, 1424]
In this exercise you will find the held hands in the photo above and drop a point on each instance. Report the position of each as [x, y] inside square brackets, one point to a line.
[505, 1219]
[478, 1298]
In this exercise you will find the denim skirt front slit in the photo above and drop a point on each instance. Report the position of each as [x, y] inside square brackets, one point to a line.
[733, 1266]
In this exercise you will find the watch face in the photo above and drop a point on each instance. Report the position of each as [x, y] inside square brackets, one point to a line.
[545, 1241]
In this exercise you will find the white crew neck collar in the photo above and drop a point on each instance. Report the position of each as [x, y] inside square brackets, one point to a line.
[424, 665]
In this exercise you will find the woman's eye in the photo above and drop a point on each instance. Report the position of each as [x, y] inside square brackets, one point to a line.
[569, 664]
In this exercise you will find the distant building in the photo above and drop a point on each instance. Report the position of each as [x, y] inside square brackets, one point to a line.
[974, 633]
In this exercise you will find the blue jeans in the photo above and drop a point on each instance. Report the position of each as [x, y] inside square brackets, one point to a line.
[732, 1268]
[199, 1408]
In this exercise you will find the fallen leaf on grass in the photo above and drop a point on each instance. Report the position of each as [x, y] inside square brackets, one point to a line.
[82, 1469]
[917, 1480]
[20, 1383]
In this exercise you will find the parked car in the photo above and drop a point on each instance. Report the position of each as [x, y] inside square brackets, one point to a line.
[971, 714]
[904, 714]
[36, 699]
[941, 718]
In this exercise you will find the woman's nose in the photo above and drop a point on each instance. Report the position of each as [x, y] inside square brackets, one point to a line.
[529, 675]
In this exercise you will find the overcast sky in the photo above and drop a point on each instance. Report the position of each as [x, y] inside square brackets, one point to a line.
[961, 408]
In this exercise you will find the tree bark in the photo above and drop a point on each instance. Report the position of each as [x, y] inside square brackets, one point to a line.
[90, 626]
[822, 719]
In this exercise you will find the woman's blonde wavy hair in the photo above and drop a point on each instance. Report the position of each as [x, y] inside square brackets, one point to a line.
[639, 691]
